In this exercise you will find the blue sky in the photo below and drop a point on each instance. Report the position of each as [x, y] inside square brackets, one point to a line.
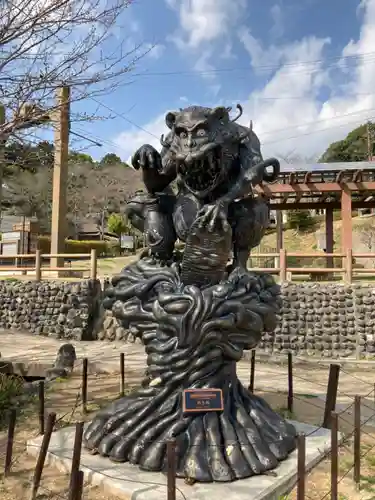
[303, 71]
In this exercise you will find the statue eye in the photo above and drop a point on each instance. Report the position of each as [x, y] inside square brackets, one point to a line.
[201, 132]
[181, 133]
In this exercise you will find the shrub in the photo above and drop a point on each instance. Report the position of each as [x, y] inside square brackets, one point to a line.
[302, 220]
[10, 387]
[117, 224]
[103, 248]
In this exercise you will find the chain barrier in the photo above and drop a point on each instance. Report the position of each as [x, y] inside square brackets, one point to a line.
[75, 392]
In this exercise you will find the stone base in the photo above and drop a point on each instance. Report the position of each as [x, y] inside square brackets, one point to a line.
[128, 481]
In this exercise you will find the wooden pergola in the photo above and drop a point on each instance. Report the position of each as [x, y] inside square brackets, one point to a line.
[328, 186]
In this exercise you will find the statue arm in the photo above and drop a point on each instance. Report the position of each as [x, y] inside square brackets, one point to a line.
[158, 170]
[252, 172]
[246, 178]
[156, 181]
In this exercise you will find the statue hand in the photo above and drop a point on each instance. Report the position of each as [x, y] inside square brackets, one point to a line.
[147, 158]
[214, 215]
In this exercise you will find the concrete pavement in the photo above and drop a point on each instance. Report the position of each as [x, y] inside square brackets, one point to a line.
[32, 355]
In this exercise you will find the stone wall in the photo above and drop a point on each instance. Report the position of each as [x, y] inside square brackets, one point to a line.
[52, 308]
[331, 320]
[316, 320]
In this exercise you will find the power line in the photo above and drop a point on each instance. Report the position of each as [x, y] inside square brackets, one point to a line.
[311, 132]
[123, 117]
[354, 57]
[275, 131]
[102, 140]
[303, 124]
[287, 97]
[86, 138]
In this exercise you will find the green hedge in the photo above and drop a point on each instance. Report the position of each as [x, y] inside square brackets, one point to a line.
[103, 248]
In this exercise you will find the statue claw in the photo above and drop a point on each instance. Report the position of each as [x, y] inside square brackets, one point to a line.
[212, 217]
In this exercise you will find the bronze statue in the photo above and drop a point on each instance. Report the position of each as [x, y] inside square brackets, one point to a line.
[194, 310]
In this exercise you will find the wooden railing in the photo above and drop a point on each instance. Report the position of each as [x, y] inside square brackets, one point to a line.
[347, 270]
[39, 265]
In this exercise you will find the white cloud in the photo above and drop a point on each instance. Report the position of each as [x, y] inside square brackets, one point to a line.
[227, 53]
[277, 17]
[288, 112]
[204, 20]
[130, 140]
[203, 65]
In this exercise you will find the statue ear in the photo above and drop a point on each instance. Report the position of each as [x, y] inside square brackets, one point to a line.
[170, 119]
[221, 113]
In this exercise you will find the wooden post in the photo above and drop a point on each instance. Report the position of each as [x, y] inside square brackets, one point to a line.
[279, 234]
[331, 394]
[301, 467]
[84, 384]
[60, 175]
[346, 218]
[51, 419]
[38, 265]
[93, 265]
[283, 265]
[329, 235]
[2, 151]
[10, 439]
[357, 441]
[349, 266]
[76, 461]
[80, 481]
[41, 407]
[334, 456]
[290, 382]
[171, 470]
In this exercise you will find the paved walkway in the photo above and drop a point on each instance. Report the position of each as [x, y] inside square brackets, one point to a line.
[35, 354]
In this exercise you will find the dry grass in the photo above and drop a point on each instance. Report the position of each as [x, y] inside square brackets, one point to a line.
[107, 267]
[306, 241]
[62, 398]
[310, 410]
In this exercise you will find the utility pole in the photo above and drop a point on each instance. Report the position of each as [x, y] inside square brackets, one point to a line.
[60, 176]
[2, 157]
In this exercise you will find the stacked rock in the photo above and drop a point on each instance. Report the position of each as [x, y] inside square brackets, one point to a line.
[324, 320]
[49, 308]
[329, 321]
[112, 330]
[364, 301]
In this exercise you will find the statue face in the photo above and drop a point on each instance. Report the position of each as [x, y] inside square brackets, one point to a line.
[198, 137]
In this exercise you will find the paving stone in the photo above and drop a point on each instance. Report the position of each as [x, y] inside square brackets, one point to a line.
[131, 482]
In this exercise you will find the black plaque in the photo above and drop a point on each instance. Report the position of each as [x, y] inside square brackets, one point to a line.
[202, 400]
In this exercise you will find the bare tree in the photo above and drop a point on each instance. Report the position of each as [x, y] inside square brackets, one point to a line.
[367, 235]
[93, 192]
[96, 192]
[50, 43]
[30, 194]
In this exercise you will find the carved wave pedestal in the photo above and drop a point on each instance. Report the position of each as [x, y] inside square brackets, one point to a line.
[193, 338]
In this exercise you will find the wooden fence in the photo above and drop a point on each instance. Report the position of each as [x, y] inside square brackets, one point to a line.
[346, 269]
[343, 444]
[38, 265]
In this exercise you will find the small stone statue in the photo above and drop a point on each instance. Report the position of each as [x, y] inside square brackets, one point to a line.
[64, 362]
[194, 310]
